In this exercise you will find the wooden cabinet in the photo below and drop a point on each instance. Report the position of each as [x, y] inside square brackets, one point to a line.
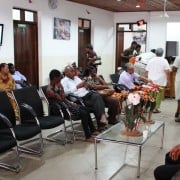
[169, 91]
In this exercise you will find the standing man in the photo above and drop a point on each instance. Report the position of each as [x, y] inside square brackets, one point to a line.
[142, 60]
[157, 70]
[128, 53]
[176, 68]
[91, 55]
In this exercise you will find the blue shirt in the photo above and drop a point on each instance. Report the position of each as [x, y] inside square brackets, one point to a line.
[128, 79]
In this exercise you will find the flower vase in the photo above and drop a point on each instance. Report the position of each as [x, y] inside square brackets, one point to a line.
[132, 116]
[131, 132]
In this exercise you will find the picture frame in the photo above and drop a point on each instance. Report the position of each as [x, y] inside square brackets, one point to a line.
[62, 28]
[1, 33]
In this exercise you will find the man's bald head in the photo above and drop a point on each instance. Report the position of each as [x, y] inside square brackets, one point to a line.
[69, 71]
[67, 68]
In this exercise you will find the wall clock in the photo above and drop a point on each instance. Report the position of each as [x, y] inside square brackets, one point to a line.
[53, 4]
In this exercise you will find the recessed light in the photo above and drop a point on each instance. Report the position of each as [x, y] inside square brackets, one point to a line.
[118, 0]
[138, 6]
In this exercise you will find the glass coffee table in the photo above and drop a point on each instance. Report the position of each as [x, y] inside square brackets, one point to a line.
[113, 135]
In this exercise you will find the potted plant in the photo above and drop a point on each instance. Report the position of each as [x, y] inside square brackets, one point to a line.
[133, 115]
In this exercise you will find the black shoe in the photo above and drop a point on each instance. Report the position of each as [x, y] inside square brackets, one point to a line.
[176, 114]
[102, 127]
[177, 120]
[114, 122]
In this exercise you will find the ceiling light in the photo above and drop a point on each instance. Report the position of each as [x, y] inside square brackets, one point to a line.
[138, 6]
[118, 0]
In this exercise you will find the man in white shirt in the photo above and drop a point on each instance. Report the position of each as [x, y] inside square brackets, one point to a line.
[142, 60]
[157, 70]
[21, 80]
[92, 100]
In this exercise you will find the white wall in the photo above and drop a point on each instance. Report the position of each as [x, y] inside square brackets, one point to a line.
[57, 53]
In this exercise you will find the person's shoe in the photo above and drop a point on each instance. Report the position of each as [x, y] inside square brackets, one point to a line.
[102, 127]
[104, 122]
[156, 111]
[95, 133]
[177, 120]
[91, 140]
[176, 115]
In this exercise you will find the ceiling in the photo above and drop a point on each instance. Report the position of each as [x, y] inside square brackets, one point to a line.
[130, 5]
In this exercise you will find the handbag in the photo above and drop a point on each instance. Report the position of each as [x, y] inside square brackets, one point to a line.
[106, 92]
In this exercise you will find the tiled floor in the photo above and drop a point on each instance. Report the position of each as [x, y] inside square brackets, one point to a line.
[76, 161]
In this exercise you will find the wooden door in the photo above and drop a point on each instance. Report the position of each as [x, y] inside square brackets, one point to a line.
[84, 38]
[26, 50]
[119, 48]
[83, 41]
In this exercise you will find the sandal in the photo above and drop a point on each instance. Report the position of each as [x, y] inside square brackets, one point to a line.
[156, 111]
[95, 133]
[91, 140]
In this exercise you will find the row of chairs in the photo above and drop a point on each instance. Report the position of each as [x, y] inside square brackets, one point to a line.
[31, 123]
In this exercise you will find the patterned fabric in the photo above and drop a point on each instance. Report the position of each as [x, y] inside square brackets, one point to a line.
[14, 105]
[7, 83]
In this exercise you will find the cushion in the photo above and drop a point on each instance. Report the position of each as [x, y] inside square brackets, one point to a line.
[48, 122]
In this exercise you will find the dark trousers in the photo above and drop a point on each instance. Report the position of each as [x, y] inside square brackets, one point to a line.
[112, 103]
[95, 104]
[77, 112]
[86, 120]
[167, 171]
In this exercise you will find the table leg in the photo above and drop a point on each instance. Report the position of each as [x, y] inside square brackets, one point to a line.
[139, 162]
[162, 137]
[95, 153]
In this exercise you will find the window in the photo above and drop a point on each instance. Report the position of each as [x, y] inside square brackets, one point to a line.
[29, 16]
[130, 27]
[84, 23]
[16, 14]
[24, 15]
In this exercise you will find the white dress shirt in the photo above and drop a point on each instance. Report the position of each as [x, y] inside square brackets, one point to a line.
[156, 68]
[70, 86]
[17, 76]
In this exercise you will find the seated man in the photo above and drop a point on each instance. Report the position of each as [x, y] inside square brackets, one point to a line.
[129, 77]
[92, 100]
[21, 80]
[98, 84]
[55, 93]
[171, 167]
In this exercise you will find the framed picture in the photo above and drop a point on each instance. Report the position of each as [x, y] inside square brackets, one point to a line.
[1, 33]
[62, 29]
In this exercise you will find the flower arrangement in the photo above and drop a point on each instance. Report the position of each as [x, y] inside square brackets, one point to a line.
[139, 102]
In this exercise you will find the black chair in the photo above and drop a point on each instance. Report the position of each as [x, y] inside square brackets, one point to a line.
[25, 130]
[120, 87]
[114, 78]
[30, 96]
[66, 113]
[8, 142]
